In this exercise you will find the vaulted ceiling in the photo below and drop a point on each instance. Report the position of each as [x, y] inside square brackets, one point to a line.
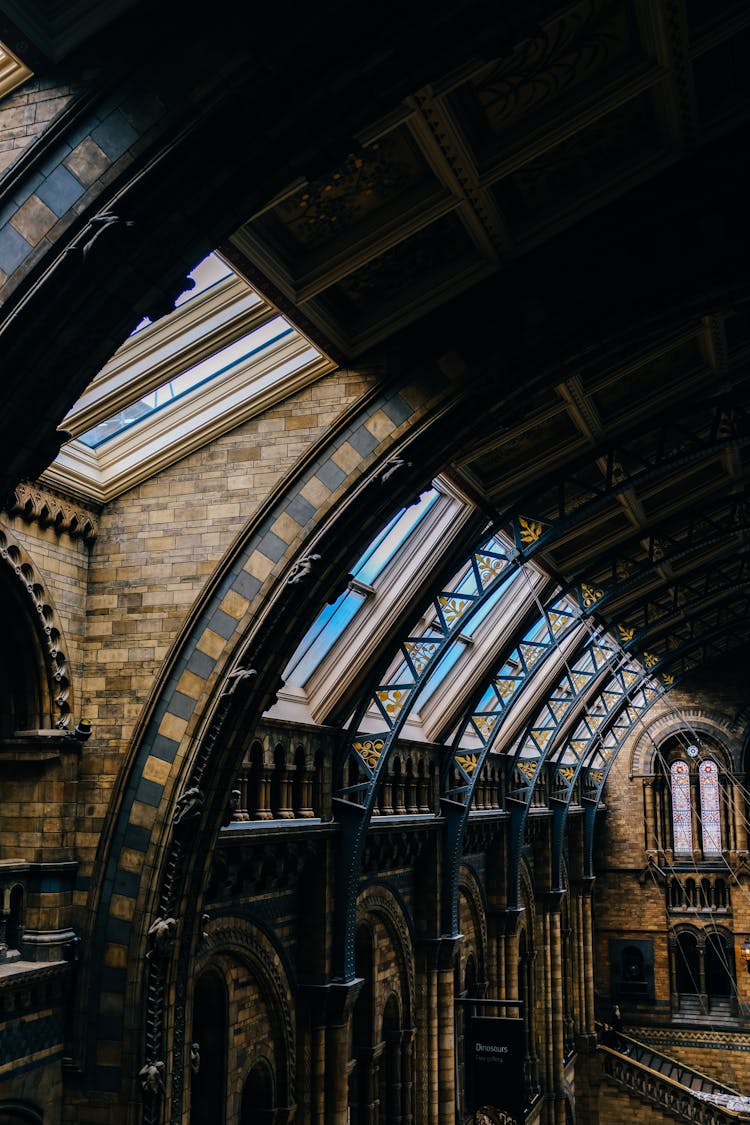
[552, 197]
[610, 123]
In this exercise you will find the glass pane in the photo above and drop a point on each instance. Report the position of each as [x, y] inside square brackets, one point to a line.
[441, 671]
[329, 625]
[384, 546]
[226, 359]
[682, 827]
[708, 775]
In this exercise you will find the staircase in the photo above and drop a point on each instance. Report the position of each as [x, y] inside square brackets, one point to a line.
[695, 1009]
[682, 1092]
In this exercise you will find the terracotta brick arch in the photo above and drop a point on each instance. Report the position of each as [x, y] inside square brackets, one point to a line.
[234, 946]
[381, 903]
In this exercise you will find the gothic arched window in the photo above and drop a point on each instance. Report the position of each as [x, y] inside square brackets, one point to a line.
[682, 825]
[695, 815]
[708, 775]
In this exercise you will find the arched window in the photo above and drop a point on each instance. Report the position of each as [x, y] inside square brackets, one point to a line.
[708, 774]
[682, 827]
[696, 815]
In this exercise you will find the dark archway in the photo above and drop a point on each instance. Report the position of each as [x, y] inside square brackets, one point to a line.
[17, 1112]
[391, 1088]
[14, 928]
[22, 670]
[687, 965]
[258, 1096]
[210, 1019]
[719, 979]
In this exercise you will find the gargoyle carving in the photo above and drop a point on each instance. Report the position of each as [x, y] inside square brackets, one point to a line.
[189, 806]
[301, 569]
[162, 935]
[152, 1077]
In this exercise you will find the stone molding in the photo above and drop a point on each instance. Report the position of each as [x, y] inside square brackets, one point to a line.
[713, 724]
[381, 902]
[38, 505]
[41, 608]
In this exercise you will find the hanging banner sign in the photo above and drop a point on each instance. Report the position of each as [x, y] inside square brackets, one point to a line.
[496, 1050]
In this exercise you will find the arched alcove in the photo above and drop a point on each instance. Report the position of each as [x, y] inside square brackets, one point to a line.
[257, 1106]
[35, 690]
[24, 697]
[687, 964]
[210, 1028]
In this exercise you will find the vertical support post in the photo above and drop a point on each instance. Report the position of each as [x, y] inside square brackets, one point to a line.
[446, 1034]
[652, 842]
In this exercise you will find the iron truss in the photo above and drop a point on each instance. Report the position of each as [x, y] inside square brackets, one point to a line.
[572, 496]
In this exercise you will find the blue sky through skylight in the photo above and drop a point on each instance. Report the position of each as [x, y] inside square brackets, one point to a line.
[333, 619]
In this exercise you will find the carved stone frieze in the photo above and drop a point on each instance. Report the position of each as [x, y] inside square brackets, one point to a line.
[41, 506]
[391, 851]
[259, 868]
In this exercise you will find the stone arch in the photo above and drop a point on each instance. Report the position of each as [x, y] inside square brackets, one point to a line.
[714, 724]
[383, 903]
[469, 888]
[38, 617]
[16, 1111]
[206, 703]
[258, 1087]
[197, 731]
[237, 940]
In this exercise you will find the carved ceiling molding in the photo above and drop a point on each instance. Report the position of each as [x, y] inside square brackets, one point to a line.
[13, 556]
[36, 504]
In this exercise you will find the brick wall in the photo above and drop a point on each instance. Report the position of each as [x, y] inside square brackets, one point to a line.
[26, 113]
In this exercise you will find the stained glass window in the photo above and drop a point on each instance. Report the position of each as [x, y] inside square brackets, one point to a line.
[682, 828]
[708, 775]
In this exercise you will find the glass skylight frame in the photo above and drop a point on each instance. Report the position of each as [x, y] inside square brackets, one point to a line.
[217, 317]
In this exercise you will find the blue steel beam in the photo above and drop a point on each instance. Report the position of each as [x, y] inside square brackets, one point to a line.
[478, 584]
[483, 723]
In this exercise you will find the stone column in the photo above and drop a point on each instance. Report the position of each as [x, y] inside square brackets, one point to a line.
[738, 809]
[386, 793]
[241, 812]
[407, 1075]
[589, 1014]
[306, 809]
[318, 1076]
[330, 1008]
[394, 1092]
[411, 794]
[446, 1034]
[652, 841]
[427, 1032]
[263, 810]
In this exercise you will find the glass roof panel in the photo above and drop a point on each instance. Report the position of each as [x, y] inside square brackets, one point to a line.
[391, 538]
[220, 363]
[333, 619]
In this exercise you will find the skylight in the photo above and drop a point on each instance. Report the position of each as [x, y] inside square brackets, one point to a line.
[218, 364]
[222, 356]
[333, 619]
[206, 274]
